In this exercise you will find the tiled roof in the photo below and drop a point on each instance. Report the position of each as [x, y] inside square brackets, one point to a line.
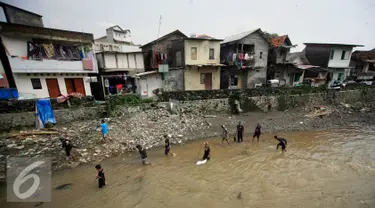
[276, 42]
[363, 55]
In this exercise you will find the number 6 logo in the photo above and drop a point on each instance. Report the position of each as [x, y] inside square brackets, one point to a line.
[23, 177]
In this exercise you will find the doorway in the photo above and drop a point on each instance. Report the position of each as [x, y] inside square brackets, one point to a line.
[75, 85]
[53, 88]
[208, 81]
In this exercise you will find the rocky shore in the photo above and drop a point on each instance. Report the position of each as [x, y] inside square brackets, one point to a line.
[149, 127]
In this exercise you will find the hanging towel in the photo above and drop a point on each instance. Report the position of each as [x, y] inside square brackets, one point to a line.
[49, 50]
[234, 56]
[241, 56]
[247, 57]
[161, 57]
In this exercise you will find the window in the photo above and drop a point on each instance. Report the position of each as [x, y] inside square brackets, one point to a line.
[345, 55]
[297, 77]
[340, 77]
[233, 80]
[212, 54]
[202, 78]
[193, 53]
[36, 84]
[331, 54]
[260, 55]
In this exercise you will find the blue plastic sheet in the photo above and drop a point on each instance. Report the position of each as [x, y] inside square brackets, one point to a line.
[44, 112]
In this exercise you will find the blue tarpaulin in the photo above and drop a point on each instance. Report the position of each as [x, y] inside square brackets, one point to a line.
[44, 113]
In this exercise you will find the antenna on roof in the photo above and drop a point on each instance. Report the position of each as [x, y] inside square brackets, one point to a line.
[159, 26]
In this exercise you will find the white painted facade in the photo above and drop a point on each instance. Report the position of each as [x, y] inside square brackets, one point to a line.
[24, 86]
[337, 61]
[23, 70]
[147, 82]
[121, 62]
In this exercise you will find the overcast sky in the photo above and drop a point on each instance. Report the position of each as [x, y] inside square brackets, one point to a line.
[338, 21]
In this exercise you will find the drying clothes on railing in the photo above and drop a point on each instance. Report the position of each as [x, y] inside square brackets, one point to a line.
[234, 57]
[88, 64]
[39, 51]
[159, 58]
[241, 56]
[49, 50]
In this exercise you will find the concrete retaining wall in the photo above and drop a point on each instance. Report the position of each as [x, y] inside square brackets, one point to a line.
[264, 103]
[27, 119]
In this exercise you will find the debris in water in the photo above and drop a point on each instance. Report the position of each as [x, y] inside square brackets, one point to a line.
[239, 196]
[39, 204]
[64, 186]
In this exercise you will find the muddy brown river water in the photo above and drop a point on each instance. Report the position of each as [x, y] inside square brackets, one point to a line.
[321, 169]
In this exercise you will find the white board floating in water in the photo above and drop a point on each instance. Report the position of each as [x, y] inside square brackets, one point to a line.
[201, 162]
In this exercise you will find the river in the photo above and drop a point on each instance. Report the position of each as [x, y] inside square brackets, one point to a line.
[320, 169]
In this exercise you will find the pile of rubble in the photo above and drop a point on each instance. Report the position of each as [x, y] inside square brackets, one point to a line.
[147, 128]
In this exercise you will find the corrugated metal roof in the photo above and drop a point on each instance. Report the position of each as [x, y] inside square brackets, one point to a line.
[302, 66]
[238, 36]
[145, 73]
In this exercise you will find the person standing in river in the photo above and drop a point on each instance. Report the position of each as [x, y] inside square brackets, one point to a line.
[282, 143]
[167, 146]
[207, 152]
[100, 175]
[225, 134]
[257, 132]
[240, 131]
[143, 154]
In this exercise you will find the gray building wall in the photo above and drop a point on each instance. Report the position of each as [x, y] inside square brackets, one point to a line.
[259, 74]
[162, 46]
[174, 80]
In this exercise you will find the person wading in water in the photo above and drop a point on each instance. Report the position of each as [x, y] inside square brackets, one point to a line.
[225, 134]
[207, 151]
[282, 143]
[240, 131]
[257, 132]
[167, 146]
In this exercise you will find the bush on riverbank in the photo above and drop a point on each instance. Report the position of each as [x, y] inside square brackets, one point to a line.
[125, 100]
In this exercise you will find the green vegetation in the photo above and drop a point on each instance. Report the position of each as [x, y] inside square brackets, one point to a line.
[127, 100]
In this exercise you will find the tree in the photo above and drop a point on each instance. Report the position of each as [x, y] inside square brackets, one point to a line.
[270, 36]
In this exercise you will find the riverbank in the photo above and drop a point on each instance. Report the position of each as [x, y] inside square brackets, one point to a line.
[149, 126]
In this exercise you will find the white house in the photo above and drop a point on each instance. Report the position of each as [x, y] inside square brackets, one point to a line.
[46, 62]
[118, 59]
[333, 56]
[147, 82]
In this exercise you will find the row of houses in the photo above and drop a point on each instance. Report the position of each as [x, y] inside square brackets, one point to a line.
[45, 62]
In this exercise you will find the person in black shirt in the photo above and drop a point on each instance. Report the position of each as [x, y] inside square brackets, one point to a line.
[100, 175]
[240, 130]
[282, 143]
[207, 151]
[67, 145]
[143, 154]
[167, 146]
[257, 132]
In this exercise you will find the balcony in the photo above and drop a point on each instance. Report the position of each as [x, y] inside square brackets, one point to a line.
[20, 65]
